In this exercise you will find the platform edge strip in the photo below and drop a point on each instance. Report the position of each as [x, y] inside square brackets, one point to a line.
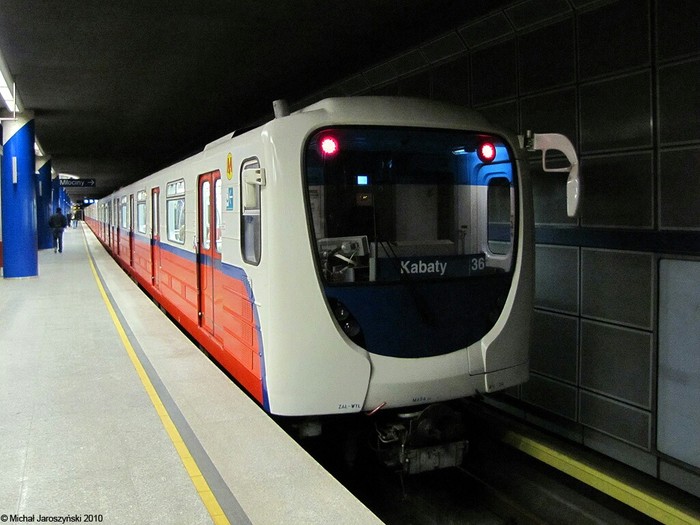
[201, 486]
[619, 490]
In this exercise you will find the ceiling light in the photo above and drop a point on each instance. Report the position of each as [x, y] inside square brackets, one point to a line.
[7, 94]
[7, 88]
[38, 150]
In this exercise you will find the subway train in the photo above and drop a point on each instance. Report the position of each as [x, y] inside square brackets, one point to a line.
[359, 255]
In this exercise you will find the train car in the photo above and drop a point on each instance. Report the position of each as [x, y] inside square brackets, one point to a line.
[359, 255]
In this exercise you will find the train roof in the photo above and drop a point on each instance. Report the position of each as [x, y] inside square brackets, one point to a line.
[398, 110]
[376, 110]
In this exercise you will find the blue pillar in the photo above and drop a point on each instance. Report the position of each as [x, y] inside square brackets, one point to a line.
[19, 236]
[55, 193]
[43, 202]
[66, 200]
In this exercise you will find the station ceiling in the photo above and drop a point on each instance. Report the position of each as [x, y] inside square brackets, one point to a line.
[122, 89]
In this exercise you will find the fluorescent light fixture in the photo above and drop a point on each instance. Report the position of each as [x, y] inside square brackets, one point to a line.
[38, 150]
[7, 94]
[7, 88]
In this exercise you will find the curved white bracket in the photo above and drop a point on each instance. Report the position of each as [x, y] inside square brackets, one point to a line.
[555, 141]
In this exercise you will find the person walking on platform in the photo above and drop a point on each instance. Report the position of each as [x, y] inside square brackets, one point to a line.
[57, 222]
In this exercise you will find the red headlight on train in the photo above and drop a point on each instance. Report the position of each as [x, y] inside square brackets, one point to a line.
[486, 152]
[329, 146]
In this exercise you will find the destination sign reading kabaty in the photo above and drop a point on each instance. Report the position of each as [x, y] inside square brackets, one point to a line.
[431, 267]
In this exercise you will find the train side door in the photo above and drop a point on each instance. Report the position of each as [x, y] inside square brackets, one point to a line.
[108, 226]
[131, 230]
[155, 235]
[208, 244]
[117, 219]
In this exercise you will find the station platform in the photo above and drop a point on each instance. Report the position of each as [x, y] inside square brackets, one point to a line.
[109, 414]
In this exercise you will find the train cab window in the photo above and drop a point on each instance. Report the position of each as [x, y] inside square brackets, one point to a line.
[250, 214]
[393, 204]
[175, 211]
[141, 212]
[124, 213]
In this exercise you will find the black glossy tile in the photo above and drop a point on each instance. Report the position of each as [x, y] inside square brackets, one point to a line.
[415, 86]
[679, 190]
[554, 346]
[505, 115]
[617, 287]
[614, 37]
[679, 102]
[616, 113]
[553, 112]
[547, 57]
[556, 278]
[618, 191]
[450, 82]
[533, 12]
[678, 24]
[616, 419]
[494, 73]
[617, 362]
[551, 395]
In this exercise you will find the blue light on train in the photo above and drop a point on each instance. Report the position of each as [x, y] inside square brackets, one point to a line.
[362, 180]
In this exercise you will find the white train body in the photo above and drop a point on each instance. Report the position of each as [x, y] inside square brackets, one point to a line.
[393, 269]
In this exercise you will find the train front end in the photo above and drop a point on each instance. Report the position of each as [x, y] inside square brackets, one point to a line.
[422, 235]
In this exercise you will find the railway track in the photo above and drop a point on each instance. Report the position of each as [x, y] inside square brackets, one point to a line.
[495, 485]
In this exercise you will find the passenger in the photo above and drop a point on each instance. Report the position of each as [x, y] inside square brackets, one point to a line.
[69, 217]
[57, 223]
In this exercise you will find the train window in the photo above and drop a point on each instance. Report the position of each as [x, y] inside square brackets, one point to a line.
[206, 214]
[498, 216]
[250, 214]
[217, 214]
[175, 211]
[141, 211]
[124, 214]
[175, 188]
[390, 204]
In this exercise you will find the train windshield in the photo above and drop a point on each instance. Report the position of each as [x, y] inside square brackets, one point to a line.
[395, 204]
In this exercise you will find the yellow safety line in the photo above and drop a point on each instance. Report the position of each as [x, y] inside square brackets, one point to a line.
[205, 493]
[646, 503]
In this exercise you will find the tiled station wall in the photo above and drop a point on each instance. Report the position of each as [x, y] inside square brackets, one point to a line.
[621, 79]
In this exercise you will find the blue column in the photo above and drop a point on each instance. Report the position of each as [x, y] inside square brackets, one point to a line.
[55, 193]
[66, 200]
[19, 236]
[43, 202]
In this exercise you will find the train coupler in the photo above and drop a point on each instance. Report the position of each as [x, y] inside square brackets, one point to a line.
[422, 441]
